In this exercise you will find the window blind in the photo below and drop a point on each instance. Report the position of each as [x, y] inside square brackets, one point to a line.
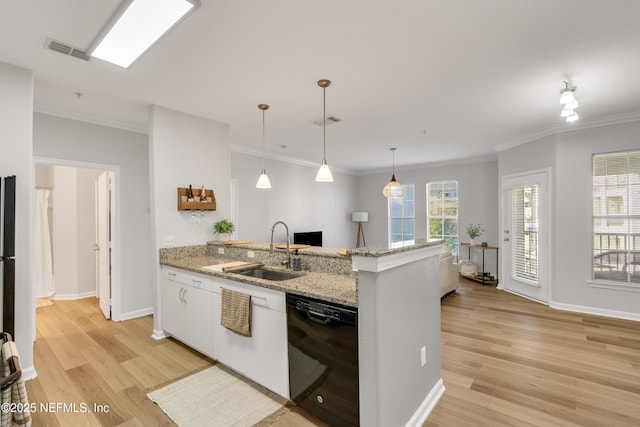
[524, 253]
[616, 217]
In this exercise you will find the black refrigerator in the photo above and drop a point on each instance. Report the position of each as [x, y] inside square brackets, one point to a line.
[7, 251]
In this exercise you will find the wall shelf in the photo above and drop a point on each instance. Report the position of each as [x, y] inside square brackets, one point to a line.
[196, 205]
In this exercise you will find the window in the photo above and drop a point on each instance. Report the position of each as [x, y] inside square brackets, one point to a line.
[524, 263]
[442, 213]
[402, 218]
[616, 217]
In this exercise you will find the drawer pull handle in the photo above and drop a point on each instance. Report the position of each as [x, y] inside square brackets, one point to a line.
[196, 283]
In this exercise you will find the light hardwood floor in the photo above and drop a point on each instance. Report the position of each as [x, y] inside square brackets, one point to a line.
[505, 360]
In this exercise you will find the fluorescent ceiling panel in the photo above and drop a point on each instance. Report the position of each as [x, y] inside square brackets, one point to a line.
[137, 26]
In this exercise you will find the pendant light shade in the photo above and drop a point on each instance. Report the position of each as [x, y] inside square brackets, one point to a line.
[569, 103]
[324, 173]
[263, 180]
[393, 188]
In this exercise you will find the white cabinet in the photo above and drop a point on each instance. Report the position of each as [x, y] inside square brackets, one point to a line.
[188, 308]
[263, 357]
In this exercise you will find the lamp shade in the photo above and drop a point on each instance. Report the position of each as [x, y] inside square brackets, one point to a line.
[567, 96]
[393, 188]
[263, 180]
[360, 216]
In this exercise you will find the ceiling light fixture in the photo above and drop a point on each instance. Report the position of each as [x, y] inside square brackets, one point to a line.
[263, 180]
[393, 188]
[569, 103]
[324, 173]
[136, 26]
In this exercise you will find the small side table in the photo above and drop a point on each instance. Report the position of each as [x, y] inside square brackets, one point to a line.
[484, 279]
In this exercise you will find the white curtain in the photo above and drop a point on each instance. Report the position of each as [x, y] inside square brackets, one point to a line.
[44, 268]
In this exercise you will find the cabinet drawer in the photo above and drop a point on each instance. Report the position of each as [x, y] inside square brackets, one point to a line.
[198, 281]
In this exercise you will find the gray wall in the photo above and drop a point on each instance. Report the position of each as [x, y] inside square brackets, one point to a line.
[569, 155]
[74, 141]
[572, 218]
[478, 201]
[296, 199]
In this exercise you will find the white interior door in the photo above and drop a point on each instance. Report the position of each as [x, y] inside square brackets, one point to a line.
[103, 267]
[525, 220]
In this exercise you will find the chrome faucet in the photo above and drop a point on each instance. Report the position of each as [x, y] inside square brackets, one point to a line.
[287, 262]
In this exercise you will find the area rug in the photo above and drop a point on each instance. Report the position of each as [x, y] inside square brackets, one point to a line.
[214, 397]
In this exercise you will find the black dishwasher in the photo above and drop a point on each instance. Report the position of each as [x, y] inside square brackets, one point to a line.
[323, 359]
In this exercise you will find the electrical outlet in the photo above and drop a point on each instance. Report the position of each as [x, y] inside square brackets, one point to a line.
[423, 356]
[250, 254]
[169, 240]
[220, 251]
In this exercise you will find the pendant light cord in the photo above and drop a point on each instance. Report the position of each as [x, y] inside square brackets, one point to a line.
[264, 144]
[324, 124]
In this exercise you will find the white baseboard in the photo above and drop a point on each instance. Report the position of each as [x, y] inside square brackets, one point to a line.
[29, 373]
[158, 335]
[425, 408]
[134, 314]
[74, 296]
[595, 311]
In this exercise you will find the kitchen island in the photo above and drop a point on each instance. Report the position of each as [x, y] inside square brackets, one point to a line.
[395, 291]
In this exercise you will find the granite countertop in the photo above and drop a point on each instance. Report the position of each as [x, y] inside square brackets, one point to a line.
[378, 251]
[311, 250]
[338, 288]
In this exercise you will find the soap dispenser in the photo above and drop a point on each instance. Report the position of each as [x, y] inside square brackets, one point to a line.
[297, 262]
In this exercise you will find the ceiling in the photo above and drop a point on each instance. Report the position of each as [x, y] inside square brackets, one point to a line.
[441, 80]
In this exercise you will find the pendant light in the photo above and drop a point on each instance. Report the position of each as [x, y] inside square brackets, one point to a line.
[569, 103]
[393, 188]
[263, 181]
[324, 173]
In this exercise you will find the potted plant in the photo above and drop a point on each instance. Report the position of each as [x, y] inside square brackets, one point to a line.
[224, 228]
[474, 231]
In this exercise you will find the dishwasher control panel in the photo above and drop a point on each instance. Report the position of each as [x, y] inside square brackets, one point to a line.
[322, 310]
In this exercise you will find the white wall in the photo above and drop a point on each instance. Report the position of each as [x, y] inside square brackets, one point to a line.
[16, 135]
[569, 154]
[65, 245]
[73, 141]
[295, 198]
[478, 201]
[183, 150]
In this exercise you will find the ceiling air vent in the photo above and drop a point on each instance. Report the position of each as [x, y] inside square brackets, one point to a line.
[66, 49]
[330, 120]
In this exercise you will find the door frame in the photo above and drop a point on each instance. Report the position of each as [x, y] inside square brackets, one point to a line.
[548, 267]
[115, 236]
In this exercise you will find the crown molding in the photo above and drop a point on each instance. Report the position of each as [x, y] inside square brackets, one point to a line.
[258, 153]
[492, 157]
[581, 124]
[89, 118]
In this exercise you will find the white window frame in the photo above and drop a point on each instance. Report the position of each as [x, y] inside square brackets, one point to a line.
[402, 218]
[630, 241]
[454, 247]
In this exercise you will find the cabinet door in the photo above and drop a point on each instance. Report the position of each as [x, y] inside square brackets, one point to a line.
[263, 357]
[173, 309]
[198, 305]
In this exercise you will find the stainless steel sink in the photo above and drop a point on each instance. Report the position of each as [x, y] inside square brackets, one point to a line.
[274, 275]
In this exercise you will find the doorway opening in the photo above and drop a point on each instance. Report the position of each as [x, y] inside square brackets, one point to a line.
[75, 230]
